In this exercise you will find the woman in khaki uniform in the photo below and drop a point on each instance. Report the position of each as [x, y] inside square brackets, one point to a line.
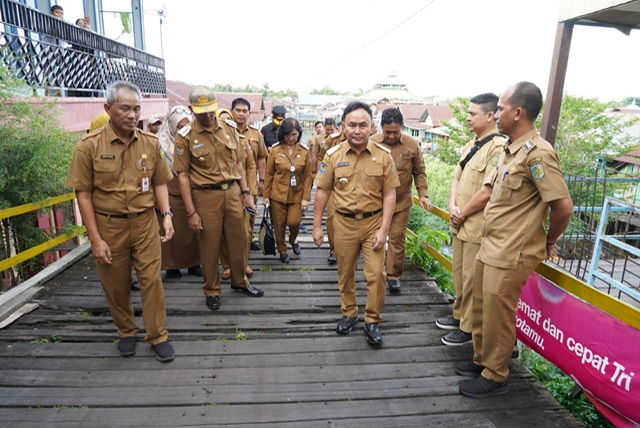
[181, 252]
[288, 185]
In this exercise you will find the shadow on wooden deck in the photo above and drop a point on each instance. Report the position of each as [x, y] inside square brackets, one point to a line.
[274, 361]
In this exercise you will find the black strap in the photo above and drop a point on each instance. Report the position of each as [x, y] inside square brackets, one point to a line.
[475, 149]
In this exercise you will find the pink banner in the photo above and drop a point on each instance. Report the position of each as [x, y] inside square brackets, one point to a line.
[600, 353]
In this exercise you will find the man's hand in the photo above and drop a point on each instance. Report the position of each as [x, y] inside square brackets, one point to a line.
[195, 222]
[305, 205]
[426, 204]
[248, 202]
[552, 251]
[167, 224]
[379, 239]
[318, 236]
[455, 218]
[101, 251]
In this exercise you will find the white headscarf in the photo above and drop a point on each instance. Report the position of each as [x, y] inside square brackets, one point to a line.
[169, 130]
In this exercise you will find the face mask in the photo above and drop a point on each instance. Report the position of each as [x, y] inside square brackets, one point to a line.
[278, 122]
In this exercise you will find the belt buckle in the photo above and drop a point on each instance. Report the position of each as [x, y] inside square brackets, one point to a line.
[224, 186]
[359, 216]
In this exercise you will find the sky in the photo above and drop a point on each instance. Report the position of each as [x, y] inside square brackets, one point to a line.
[441, 48]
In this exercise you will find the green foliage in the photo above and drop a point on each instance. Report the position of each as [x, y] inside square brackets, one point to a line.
[459, 133]
[560, 385]
[36, 153]
[52, 339]
[326, 91]
[240, 335]
[266, 268]
[251, 89]
[586, 134]
[419, 258]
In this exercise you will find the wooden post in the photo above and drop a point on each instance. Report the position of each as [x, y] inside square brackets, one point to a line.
[557, 75]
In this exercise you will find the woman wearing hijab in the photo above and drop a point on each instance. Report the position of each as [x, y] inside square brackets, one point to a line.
[182, 251]
[287, 185]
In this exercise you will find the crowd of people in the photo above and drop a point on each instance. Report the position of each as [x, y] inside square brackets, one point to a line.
[185, 199]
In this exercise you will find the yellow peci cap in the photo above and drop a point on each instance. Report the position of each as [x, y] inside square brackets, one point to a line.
[203, 99]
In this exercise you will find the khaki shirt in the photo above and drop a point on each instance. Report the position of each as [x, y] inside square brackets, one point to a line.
[210, 156]
[113, 171]
[481, 170]
[357, 181]
[325, 143]
[528, 178]
[256, 141]
[407, 156]
[277, 185]
[250, 167]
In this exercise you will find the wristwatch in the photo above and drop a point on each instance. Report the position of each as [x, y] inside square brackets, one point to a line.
[246, 192]
[167, 213]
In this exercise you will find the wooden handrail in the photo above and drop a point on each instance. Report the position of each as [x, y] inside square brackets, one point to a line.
[33, 206]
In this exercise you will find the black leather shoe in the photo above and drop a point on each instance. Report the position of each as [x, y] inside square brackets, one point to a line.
[249, 290]
[372, 333]
[284, 258]
[195, 271]
[213, 302]
[127, 346]
[255, 246]
[296, 249]
[332, 259]
[394, 286]
[135, 286]
[346, 324]
[174, 273]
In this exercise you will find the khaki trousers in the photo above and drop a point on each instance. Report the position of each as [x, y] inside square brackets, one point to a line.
[222, 214]
[134, 241]
[396, 245]
[331, 211]
[464, 263]
[224, 252]
[353, 236]
[286, 215]
[495, 303]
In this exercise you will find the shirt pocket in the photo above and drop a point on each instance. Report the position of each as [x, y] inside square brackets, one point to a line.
[476, 172]
[105, 175]
[343, 178]
[233, 148]
[373, 177]
[508, 191]
[202, 158]
[404, 162]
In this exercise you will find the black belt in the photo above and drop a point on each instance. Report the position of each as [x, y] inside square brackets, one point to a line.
[220, 186]
[132, 215]
[360, 216]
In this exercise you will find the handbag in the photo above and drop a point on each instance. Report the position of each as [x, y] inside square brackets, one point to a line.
[266, 237]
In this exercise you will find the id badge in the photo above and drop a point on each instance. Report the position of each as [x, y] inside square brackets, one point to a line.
[146, 182]
[293, 181]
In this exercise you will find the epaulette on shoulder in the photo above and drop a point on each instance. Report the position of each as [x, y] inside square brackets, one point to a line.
[147, 133]
[380, 146]
[185, 130]
[254, 127]
[231, 123]
[333, 149]
[275, 145]
[304, 147]
[500, 140]
[335, 134]
[528, 146]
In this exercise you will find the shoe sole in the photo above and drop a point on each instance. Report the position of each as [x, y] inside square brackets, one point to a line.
[128, 354]
[500, 391]
[166, 359]
[372, 342]
[241, 290]
[447, 327]
[456, 343]
[467, 373]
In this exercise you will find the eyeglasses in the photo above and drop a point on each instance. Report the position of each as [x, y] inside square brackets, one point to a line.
[181, 110]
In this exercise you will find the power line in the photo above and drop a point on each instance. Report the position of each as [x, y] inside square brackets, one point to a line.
[365, 46]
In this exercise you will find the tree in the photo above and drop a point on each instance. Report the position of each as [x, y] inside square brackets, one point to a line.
[459, 133]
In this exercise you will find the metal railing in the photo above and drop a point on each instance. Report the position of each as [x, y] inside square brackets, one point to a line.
[52, 243]
[59, 57]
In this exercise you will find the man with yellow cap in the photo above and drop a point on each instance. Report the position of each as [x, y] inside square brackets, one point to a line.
[209, 160]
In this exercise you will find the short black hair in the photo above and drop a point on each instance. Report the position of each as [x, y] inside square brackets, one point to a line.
[391, 115]
[56, 7]
[528, 96]
[289, 125]
[488, 102]
[319, 122]
[242, 101]
[330, 121]
[356, 105]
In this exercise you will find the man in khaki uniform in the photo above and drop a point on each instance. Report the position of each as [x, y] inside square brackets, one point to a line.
[209, 161]
[361, 178]
[118, 173]
[319, 128]
[241, 109]
[529, 186]
[407, 157]
[333, 138]
[470, 191]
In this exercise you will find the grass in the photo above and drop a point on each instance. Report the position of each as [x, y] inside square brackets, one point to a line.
[52, 339]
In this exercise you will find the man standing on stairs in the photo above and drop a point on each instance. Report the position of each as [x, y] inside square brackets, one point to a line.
[361, 178]
[470, 191]
[407, 157]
